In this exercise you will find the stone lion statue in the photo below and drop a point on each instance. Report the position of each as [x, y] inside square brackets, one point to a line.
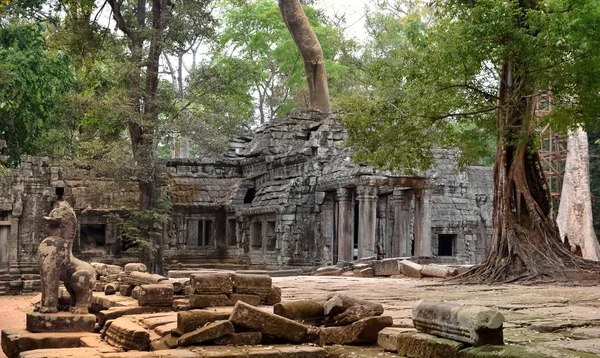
[57, 263]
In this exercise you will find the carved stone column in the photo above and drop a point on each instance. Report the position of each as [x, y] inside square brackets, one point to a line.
[327, 229]
[401, 244]
[423, 222]
[367, 199]
[344, 229]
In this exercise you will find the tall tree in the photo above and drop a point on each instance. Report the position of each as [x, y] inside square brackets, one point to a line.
[481, 64]
[312, 53]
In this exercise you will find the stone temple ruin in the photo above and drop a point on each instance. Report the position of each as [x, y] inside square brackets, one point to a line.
[287, 196]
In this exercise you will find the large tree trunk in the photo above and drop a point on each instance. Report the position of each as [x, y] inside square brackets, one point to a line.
[575, 220]
[312, 53]
[526, 244]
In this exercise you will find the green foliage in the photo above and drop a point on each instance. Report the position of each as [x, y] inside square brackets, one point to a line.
[255, 33]
[142, 229]
[594, 148]
[433, 80]
[34, 84]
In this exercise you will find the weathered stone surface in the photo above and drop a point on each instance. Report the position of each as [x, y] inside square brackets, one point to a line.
[365, 272]
[173, 353]
[274, 297]
[246, 316]
[387, 267]
[329, 271]
[388, 337]
[433, 270]
[410, 268]
[125, 289]
[209, 332]
[125, 334]
[213, 283]
[16, 340]
[253, 300]
[240, 339]
[368, 351]
[166, 342]
[60, 322]
[63, 353]
[188, 321]
[274, 351]
[252, 284]
[423, 345]
[135, 293]
[57, 263]
[506, 351]
[470, 324]
[116, 312]
[156, 295]
[201, 301]
[359, 332]
[111, 288]
[135, 266]
[342, 309]
[158, 319]
[309, 312]
[143, 278]
[165, 329]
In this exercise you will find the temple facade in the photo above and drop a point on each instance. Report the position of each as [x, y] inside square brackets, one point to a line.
[287, 195]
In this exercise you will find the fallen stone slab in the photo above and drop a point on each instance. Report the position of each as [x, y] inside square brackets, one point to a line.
[474, 325]
[201, 301]
[188, 321]
[166, 342]
[433, 270]
[342, 309]
[423, 345]
[252, 284]
[158, 320]
[239, 339]
[328, 271]
[386, 267]
[410, 269]
[249, 317]
[165, 329]
[359, 332]
[365, 272]
[135, 266]
[273, 351]
[253, 300]
[209, 332]
[307, 311]
[116, 312]
[158, 295]
[17, 340]
[123, 333]
[173, 353]
[388, 337]
[64, 353]
[274, 297]
[213, 283]
[143, 278]
[59, 322]
[272, 273]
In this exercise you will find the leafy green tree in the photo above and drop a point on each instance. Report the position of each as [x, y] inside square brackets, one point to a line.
[34, 84]
[479, 66]
[255, 33]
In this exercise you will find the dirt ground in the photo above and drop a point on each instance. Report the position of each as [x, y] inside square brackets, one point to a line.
[548, 315]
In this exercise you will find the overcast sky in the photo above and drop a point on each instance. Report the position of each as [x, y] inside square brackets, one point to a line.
[354, 11]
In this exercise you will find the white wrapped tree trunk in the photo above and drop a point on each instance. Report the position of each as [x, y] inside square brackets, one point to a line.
[575, 220]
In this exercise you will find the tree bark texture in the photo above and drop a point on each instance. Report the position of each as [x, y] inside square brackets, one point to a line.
[312, 53]
[575, 220]
[526, 244]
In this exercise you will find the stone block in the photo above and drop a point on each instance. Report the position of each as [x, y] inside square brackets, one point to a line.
[387, 267]
[360, 332]
[329, 271]
[201, 301]
[123, 333]
[253, 300]
[308, 312]
[410, 268]
[274, 297]
[111, 288]
[156, 295]
[212, 283]
[209, 332]
[365, 272]
[240, 339]
[135, 266]
[252, 284]
[388, 337]
[17, 340]
[188, 321]
[246, 316]
[116, 312]
[469, 324]
[433, 270]
[125, 289]
[60, 322]
[423, 345]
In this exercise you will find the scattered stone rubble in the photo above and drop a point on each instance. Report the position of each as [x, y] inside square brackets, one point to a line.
[371, 267]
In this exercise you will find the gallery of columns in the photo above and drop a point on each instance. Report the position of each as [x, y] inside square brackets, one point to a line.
[376, 216]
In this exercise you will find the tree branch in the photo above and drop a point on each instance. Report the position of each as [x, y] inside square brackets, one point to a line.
[464, 114]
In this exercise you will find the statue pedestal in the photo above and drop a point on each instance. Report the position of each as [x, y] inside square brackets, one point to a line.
[60, 322]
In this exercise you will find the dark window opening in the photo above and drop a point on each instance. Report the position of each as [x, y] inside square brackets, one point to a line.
[231, 235]
[92, 236]
[60, 192]
[256, 235]
[355, 238]
[200, 232]
[271, 236]
[4, 215]
[249, 197]
[446, 244]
